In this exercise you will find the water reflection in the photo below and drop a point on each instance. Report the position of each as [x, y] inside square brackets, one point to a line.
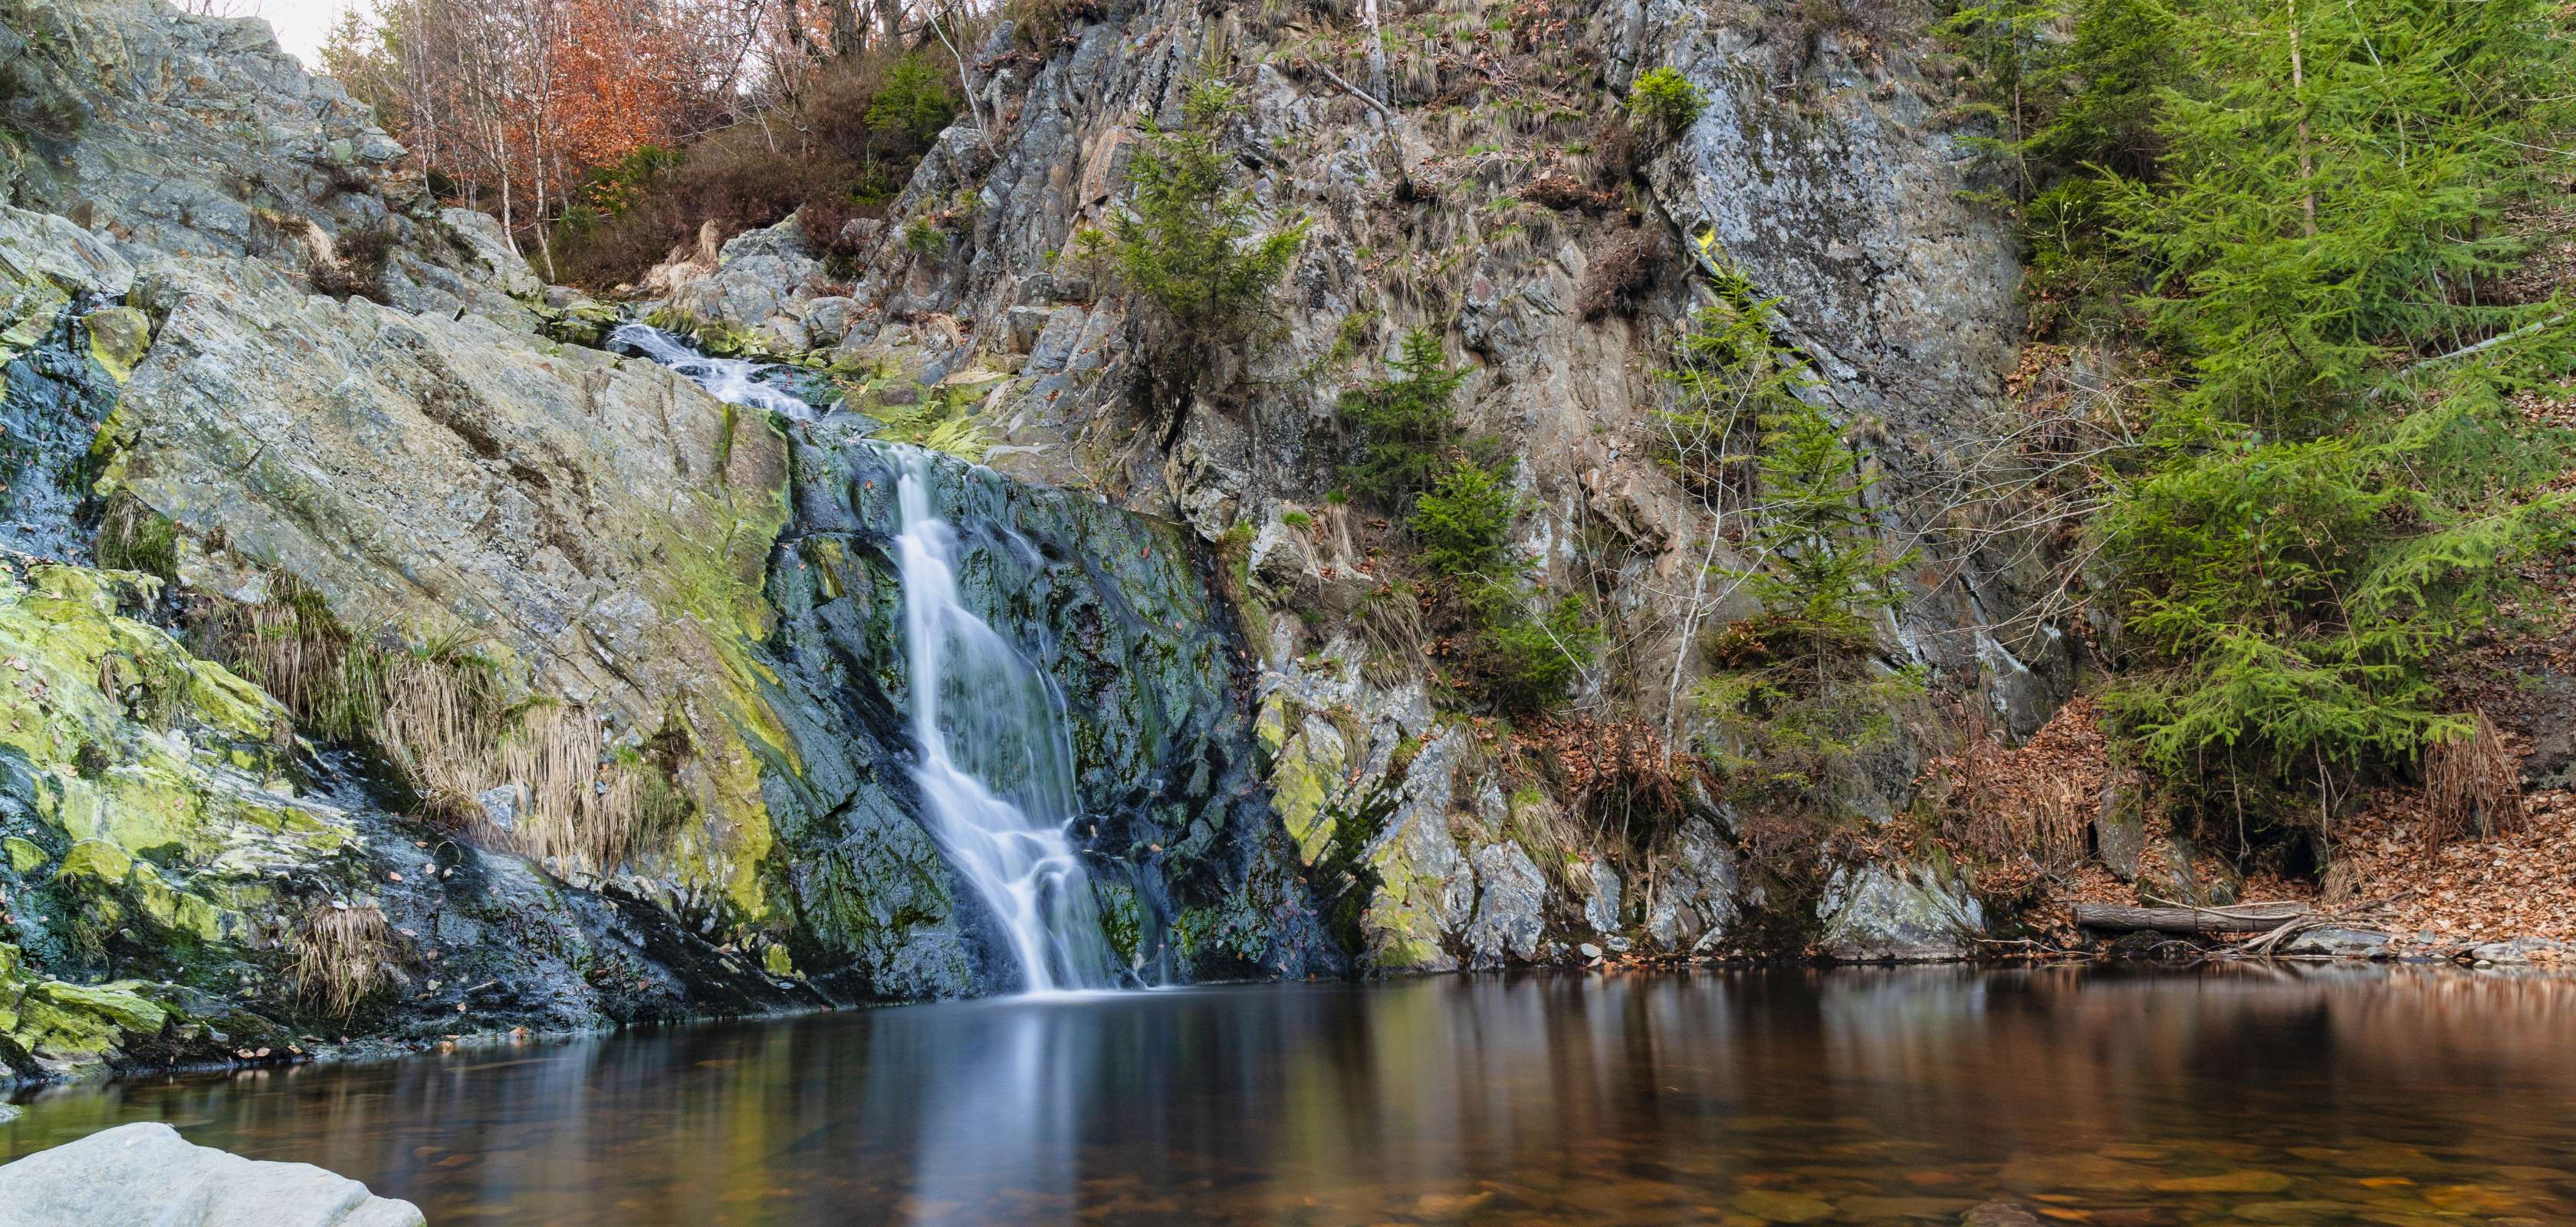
[2340, 1096]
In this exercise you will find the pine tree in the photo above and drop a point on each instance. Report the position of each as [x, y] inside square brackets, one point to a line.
[1405, 424]
[1188, 246]
[2319, 512]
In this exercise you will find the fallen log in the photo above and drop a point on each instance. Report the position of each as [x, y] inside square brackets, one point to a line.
[2243, 918]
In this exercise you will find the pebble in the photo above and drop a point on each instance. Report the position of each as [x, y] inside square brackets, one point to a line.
[1589, 950]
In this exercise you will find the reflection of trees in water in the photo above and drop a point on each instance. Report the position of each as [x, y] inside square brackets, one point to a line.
[1541, 1096]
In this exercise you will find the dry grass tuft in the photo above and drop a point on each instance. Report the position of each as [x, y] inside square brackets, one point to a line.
[1616, 773]
[340, 956]
[2034, 801]
[445, 722]
[2472, 785]
[1620, 276]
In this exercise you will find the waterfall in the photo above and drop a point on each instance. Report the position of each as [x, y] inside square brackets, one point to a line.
[996, 769]
[996, 773]
[735, 381]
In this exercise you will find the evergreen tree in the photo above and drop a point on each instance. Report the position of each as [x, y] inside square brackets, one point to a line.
[1799, 693]
[1188, 247]
[2310, 523]
[1405, 424]
[2103, 103]
[2007, 45]
[2333, 179]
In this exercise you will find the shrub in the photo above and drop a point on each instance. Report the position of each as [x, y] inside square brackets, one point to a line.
[1621, 273]
[1664, 102]
[1464, 523]
[1519, 664]
[844, 150]
[1187, 247]
[353, 266]
[1526, 664]
[1405, 423]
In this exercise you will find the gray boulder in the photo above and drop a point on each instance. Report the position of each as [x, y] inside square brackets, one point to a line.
[146, 1175]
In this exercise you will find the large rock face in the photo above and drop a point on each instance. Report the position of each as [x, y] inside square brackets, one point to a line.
[599, 523]
[702, 579]
[148, 1174]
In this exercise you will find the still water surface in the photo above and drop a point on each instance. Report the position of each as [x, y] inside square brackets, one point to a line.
[2365, 1096]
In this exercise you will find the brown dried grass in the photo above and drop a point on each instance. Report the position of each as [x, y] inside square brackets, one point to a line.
[443, 720]
[2472, 785]
[341, 956]
[2036, 800]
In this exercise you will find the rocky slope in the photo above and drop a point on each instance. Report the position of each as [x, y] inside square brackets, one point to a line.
[1454, 181]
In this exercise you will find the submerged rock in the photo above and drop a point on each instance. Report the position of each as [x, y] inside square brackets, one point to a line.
[146, 1175]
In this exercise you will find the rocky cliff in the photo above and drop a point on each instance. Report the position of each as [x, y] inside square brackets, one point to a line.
[290, 441]
[1469, 178]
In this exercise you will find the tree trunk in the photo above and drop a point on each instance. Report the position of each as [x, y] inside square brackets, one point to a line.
[846, 30]
[2245, 918]
[2307, 163]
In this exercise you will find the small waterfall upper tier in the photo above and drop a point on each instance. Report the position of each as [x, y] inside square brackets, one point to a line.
[735, 381]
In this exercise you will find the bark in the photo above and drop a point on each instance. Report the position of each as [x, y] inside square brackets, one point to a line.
[2244, 918]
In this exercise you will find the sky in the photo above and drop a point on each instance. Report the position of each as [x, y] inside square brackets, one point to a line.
[300, 24]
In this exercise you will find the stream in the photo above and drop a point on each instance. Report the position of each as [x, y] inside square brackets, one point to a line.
[2400, 1097]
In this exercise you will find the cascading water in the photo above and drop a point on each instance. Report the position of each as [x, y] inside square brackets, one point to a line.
[996, 771]
[735, 381]
[996, 768]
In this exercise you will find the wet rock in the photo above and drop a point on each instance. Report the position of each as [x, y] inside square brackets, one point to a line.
[1696, 896]
[1427, 886]
[2119, 828]
[1878, 913]
[1025, 324]
[503, 804]
[1509, 896]
[827, 320]
[2514, 952]
[1601, 906]
[147, 1174]
[2175, 871]
[2338, 942]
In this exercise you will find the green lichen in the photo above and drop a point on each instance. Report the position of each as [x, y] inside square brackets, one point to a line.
[1122, 918]
[117, 338]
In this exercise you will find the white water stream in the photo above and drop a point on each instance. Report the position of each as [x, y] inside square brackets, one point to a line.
[735, 381]
[996, 772]
[996, 769]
